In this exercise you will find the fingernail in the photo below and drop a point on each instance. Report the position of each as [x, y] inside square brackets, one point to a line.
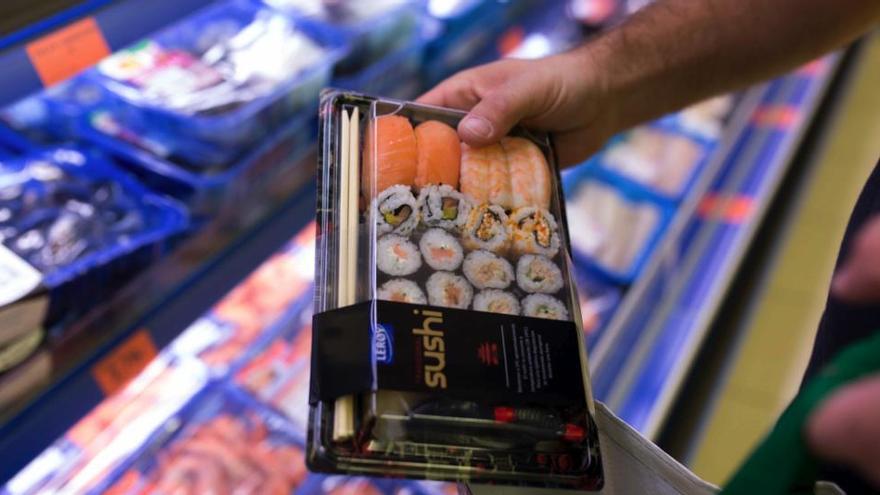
[477, 126]
[841, 282]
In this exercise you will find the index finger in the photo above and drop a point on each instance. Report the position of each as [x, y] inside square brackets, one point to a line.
[456, 92]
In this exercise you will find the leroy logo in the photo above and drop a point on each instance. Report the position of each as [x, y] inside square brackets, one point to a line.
[383, 344]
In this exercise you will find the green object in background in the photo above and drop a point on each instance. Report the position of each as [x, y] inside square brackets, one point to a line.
[782, 463]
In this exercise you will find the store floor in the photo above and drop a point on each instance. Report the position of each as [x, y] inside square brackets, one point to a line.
[773, 351]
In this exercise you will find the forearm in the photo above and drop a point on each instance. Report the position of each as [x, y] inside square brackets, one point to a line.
[676, 52]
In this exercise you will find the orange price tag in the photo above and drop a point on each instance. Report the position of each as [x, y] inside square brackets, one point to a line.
[124, 362]
[67, 51]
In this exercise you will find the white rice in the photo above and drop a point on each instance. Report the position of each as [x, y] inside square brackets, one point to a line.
[402, 290]
[441, 250]
[487, 270]
[496, 301]
[544, 306]
[449, 290]
[397, 256]
[536, 273]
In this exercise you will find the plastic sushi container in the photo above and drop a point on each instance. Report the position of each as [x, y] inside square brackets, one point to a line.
[224, 76]
[398, 74]
[660, 158]
[205, 191]
[221, 442]
[348, 485]
[614, 224]
[372, 29]
[81, 224]
[419, 239]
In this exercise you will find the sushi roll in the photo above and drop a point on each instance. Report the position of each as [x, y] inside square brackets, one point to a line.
[395, 210]
[485, 175]
[402, 290]
[486, 228]
[439, 154]
[397, 256]
[390, 154]
[536, 273]
[442, 206]
[449, 290]
[533, 231]
[487, 270]
[530, 179]
[496, 301]
[441, 250]
[544, 306]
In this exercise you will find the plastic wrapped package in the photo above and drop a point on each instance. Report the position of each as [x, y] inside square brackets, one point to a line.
[238, 325]
[224, 75]
[613, 227]
[152, 156]
[82, 460]
[222, 442]
[398, 74]
[278, 374]
[705, 119]
[82, 224]
[420, 236]
[662, 160]
[373, 29]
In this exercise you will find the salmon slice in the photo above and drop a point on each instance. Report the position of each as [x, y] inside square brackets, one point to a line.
[391, 139]
[529, 173]
[480, 169]
[439, 154]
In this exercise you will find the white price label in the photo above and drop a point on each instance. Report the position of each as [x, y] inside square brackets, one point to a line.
[17, 277]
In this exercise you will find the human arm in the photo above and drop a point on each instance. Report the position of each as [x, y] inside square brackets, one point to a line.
[670, 54]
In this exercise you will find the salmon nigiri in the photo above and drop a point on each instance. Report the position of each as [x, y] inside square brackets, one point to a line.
[439, 154]
[393, 142]
[530, 180]
[484, 174]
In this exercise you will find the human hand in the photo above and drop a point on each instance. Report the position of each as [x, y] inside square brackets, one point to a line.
[846, 427]
[563, 94]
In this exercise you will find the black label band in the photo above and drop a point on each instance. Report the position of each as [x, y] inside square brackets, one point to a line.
[459, 354]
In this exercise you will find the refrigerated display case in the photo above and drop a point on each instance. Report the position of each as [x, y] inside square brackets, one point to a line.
[224, 314]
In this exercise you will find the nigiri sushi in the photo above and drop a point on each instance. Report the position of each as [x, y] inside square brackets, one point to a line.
[439, 154]
[393, 142]
[484, 175]
[529, 173]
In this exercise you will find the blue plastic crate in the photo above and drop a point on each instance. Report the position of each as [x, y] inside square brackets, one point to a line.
[12, 143]
[372, 29]
[208, 192]
[583, 253]
[398, 75]
[83, 224]
[199, 47]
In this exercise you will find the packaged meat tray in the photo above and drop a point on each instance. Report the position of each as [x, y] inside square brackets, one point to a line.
[225, 75]
[222, 442]
[72, 224]
[447, 340]
[152, 155]
[372, 29]
[617, 224]
[664, 160]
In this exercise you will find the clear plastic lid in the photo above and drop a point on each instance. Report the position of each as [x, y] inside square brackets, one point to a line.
[447, 341]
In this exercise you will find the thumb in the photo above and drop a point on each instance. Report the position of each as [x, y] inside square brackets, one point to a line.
[858, 280]
[493, 117]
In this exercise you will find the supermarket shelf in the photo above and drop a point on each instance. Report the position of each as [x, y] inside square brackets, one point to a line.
[640, 366]
[166, 300]
[112, 18]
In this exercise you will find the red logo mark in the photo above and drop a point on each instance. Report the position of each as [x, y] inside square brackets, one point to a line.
[488, 353]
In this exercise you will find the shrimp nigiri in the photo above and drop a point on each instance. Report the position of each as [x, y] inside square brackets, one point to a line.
[484, 174]
[529, 173]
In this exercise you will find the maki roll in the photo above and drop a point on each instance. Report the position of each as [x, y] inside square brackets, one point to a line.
[533, 231]
[536, 273]
[395, 210]
[444, 207]
[487, 270]
[544, 306]
[449, 290]
[486, 228]
[496, 301]
[397, 256]
[402, 290]
[441, 250]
